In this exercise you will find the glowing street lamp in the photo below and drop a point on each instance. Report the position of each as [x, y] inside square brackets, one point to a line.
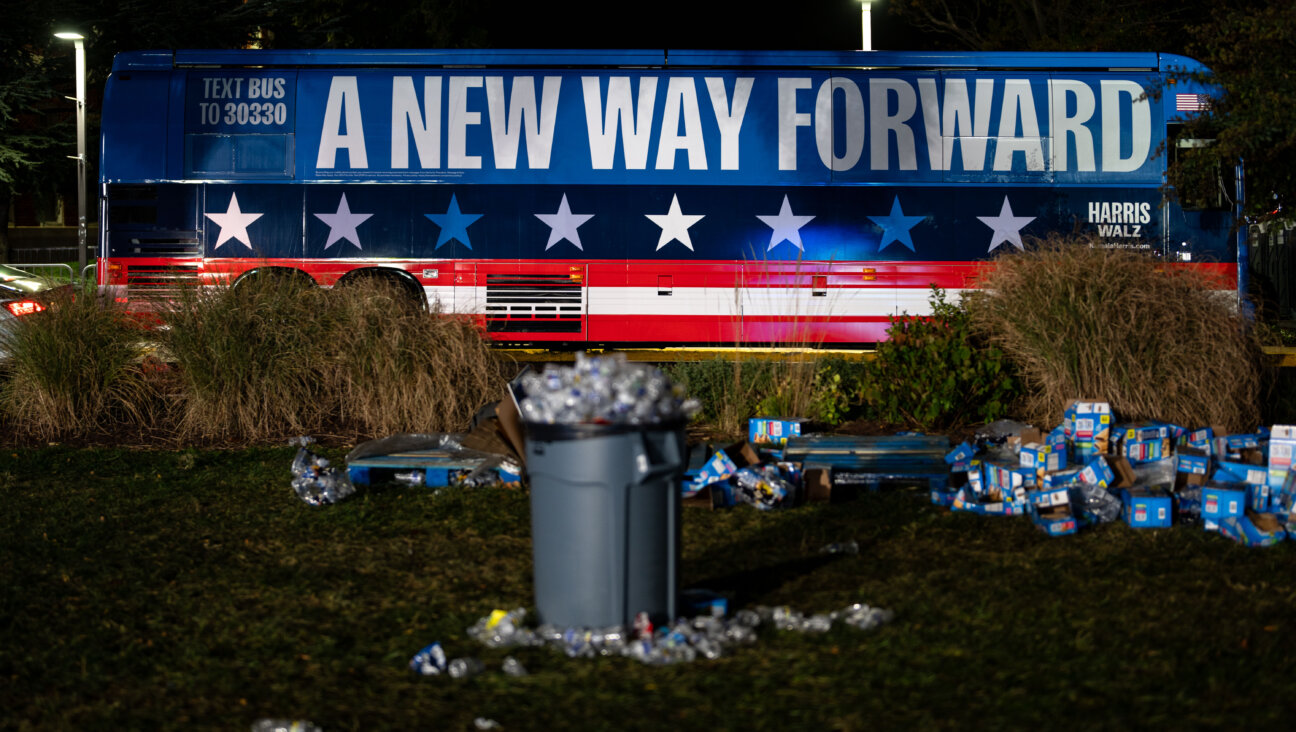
[79, 41]
[866, 24]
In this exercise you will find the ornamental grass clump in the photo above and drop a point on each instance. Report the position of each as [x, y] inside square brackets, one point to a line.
[399, 369]
[75, 369]
[251, 359]
[275, 357]
[1155, 340]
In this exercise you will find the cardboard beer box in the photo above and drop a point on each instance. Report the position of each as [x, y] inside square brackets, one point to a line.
[1088, 428]
[1054, 520]
[1282, 447]
[963, 501]
[773, 430]
[961, 455]
[1061, 478]
[1236, 445]
[1253, 529]
[724, 464]
[1048, 497]
[1108, 472]
[1202, 439]
[1146, 508]
[1192, 461]
[1222, 500]
[1234, 472]
[1145, 451]
[1042, 458]
[1140, 432]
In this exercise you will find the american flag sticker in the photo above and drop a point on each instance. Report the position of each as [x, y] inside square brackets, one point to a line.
[1191, 102]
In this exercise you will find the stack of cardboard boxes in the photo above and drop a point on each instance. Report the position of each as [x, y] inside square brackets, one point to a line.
[1150, 474]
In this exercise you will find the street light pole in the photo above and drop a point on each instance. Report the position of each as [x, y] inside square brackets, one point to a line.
[79, 42]
[866, 25]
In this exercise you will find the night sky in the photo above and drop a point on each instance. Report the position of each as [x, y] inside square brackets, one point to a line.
[660, 24]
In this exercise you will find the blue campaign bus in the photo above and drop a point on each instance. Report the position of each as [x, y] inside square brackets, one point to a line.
[639, 197]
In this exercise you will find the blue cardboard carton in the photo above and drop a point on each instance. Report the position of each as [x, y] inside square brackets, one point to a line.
[1192, 461]
[1146, 508]
[1050, 496]
[1253, 529]
[773, 430]
[1140, 432]
[1282, 448]
[1097, 472]
[725, 463]
[961, 455]
[1221, 500]
[1202, 439]
[1041, 458]
[1145, 451]
[1061, 478]
[1006, 482]
[1087, 425]
[1053, 520]
[1234, 472]
[965, 501]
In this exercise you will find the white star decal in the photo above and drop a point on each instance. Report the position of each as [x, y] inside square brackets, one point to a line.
[233, 223]
[1007, 228]
[563, 225]
[342, 225]
[786, 225]
[675, 224]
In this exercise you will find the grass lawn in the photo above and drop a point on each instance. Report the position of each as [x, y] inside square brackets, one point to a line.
[192, 589]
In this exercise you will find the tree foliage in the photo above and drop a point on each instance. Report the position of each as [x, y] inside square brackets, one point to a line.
[1249, 44]
[1052, 25]
[1252, 54]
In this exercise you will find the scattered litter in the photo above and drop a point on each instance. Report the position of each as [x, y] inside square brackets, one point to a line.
[284, 725]
[314, 480]
[428, 460]
[430, 661]
[764, 488]
[1091, 470]
[999, 431]
[462, 668]
[603, 390]
[845, 547]
[513, 667]
[706, 636]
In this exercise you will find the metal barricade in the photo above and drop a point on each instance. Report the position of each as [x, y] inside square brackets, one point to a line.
[58, 271]
[63, 271]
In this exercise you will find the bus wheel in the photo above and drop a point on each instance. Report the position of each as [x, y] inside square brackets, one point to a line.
[401, 286]
[274, 277]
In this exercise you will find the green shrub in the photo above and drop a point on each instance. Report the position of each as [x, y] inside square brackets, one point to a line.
[1155, 341]
[822, 389]
[934, 372]
[730, 391]
[75, 368]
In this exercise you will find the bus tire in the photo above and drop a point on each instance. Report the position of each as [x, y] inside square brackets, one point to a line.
[410, 291]
[281, 276]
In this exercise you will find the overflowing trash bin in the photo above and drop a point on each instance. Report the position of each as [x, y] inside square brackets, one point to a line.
[605, 453]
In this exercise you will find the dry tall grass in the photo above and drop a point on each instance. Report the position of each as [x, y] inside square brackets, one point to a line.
[250, 360]
[1155, 341]
[75, 368]
[401, 370]
[272, 358]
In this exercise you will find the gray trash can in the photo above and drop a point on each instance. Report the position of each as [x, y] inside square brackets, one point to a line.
[605, 517]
